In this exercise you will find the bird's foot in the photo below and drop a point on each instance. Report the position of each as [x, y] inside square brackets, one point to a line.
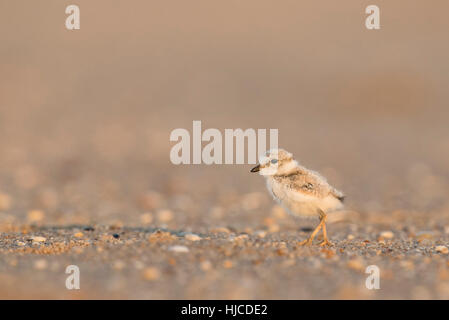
[326, 242]
[306, 242]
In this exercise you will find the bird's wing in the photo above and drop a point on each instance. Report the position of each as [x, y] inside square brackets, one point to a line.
[302, 182]
[312, 183]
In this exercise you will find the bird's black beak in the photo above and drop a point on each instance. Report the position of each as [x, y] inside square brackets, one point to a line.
[256, 168]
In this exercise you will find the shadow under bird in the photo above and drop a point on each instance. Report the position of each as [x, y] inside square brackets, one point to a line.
[302, 192]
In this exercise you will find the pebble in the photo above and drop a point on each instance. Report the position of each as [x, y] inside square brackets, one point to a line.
[387, 234]
[106, 237]
[139, 265]
[78, 250]
[151, 274]
[38, 239]
[206, 265]
[241, 237]
[40, 264]
[118, 265]
[227, 264]
[165, 216]
[355, 264]
[288, 263]
[407, 264]
[79, 235]
[35, 215]
[117, 224]
[220, 230]
[152, 200]
[146, 218]
[261, 234]
[442, 249]
[161, 236]
[13, 262]
[268, 221]
[182, 249]
[327, 253]
[192, 237]
[282, 251]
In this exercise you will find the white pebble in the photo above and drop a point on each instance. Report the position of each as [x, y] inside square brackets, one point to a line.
[387, 234]
[192, 237]
[261, 233]
[38, 239]
[179, 249]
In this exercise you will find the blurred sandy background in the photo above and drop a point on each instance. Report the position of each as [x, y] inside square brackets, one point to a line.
[85, 119]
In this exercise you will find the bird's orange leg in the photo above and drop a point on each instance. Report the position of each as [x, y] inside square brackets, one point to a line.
[322, 225]
[325, 241]
[309, 240]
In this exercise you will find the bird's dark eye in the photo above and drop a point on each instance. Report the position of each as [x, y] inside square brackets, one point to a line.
[274, 161]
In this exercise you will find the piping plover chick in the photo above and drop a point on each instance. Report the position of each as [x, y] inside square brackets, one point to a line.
[302, 192]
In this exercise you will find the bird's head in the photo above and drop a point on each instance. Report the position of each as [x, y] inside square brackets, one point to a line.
[275, 162]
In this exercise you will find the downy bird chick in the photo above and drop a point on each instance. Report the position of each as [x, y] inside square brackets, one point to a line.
[302, 192]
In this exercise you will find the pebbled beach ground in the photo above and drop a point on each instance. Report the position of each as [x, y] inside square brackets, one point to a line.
[230, 261]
